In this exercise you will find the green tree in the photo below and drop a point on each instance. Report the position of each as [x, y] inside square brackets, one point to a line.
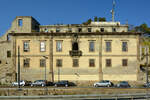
[95, 19]
[142, 28]
[87, 22]
[102, 19]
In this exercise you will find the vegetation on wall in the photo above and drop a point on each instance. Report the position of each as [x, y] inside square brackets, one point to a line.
[96, 19]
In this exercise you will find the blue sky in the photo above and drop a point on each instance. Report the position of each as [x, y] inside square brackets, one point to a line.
[73, 11]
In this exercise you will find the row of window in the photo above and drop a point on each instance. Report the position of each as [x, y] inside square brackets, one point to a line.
[108, 45]
[75, 63]
[81, 30]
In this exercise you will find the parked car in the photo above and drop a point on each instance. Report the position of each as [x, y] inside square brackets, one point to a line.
[22, 83]
[124, 84]
[103, 83]
[146, 85]
[64, 83]
[42, 83]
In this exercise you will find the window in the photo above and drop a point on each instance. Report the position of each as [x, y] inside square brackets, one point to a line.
[102, 29]
[91, 46]
[59, 62]
[26, 62]
[57, 29]
[75, 62]
[124, 46]
[89, 29]
[26, 46]
[20, 22]
[108, 46]
[42, 62]
[0, 61]
[75, 46]
[113, 29]
[8, 54]
[108, 62]
[91, 62]
[42, 46]
[8, 37]
[79, 29]
[58, 46]
[69, 29]
[124, 62]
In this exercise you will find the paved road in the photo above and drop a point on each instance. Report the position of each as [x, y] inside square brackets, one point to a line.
[141, 96]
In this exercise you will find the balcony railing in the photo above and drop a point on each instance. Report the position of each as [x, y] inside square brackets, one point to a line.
[75, 53]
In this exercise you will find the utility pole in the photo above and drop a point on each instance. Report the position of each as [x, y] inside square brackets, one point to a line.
[19, 67]
[147, 63]
[58, 73]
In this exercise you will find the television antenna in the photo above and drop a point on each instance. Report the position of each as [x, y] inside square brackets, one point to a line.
[113, 11]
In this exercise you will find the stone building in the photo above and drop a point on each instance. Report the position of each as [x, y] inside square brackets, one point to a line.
[76, 52]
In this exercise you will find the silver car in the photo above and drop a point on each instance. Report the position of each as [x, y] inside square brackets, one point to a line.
[22, 83]
[39, 83]
[103, 83]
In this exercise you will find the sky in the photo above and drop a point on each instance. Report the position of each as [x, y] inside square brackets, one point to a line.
[46, 12]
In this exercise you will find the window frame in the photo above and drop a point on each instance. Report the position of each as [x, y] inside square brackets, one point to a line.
[43, 49]
[124, 62]
[102, 29]
[59, 62]
[59, 49]
[69, 29]
[124, 47]
[57, 30]
[114, 29]
[91, 62]
[80, 29]
[108, 47]
[108, 63]
[91, 48]
[75, 62]
[8, 54]
[26, 62]
[89, 29]
[42, 62]
[26, 46]
[20, 22]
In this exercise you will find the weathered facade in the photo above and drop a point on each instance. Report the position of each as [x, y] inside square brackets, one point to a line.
[100, 50]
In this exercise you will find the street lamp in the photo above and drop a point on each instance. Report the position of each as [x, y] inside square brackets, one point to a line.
[45, 67]
[19, 67]
[45, 75]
